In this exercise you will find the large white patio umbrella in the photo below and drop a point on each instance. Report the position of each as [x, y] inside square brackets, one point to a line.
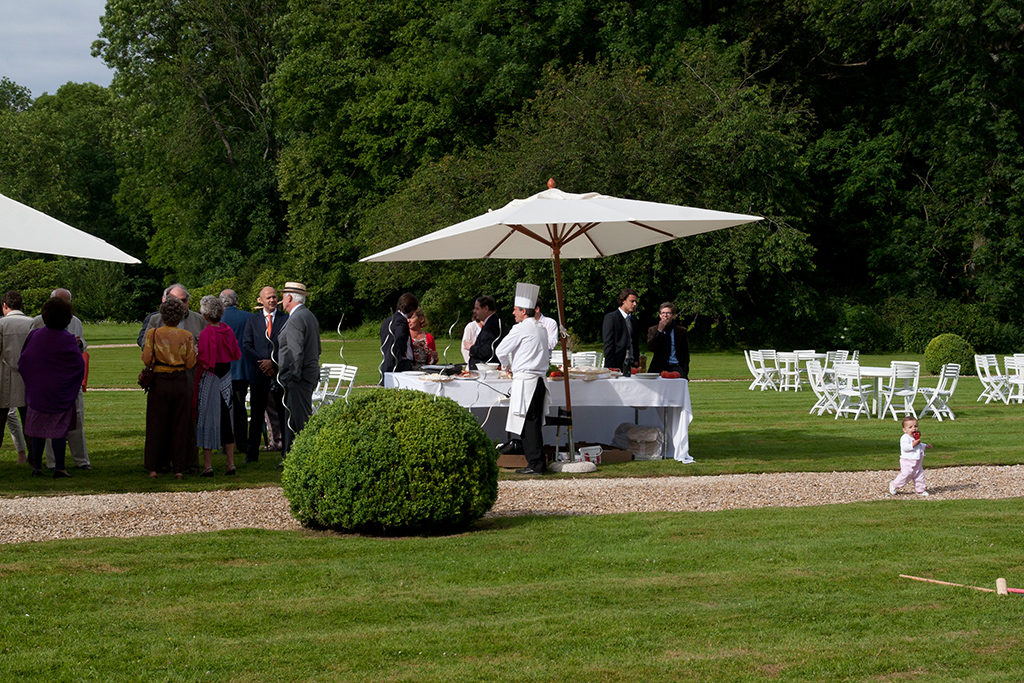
[25, 229]
[555, 224]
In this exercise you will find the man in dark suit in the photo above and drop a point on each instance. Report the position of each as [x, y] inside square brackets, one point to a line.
[260, 344]
[395, 341]
[299, 371]
[670, 351]
[619, 331]
[236, 320]
[492, 332]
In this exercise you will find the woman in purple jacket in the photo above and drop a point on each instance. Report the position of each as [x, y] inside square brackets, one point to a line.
[52, 367]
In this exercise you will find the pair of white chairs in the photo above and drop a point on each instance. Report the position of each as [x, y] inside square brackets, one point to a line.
[336, 381]
[586, 359]
[853, 396]
[580, 359]
[848, 394]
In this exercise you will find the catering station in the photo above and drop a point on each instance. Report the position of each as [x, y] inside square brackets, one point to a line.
[600, 403]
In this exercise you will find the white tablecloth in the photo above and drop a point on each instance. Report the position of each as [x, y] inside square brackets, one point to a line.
[598, 406]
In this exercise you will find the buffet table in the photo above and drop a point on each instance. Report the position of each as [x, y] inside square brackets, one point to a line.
[598, 406]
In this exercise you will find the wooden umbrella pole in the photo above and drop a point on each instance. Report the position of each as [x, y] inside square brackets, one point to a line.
[565, 352]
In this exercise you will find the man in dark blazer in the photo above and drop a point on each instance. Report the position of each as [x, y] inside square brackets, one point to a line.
[670, 351]
[260, 352]
[299, 371]
[483, 349]
[620, 333]
[236, 320]
[395, 340]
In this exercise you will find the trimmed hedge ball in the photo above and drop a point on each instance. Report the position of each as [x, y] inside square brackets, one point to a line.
[391, 461]
[949, 348]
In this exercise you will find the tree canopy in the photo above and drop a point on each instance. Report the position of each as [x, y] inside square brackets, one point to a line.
[881, 140]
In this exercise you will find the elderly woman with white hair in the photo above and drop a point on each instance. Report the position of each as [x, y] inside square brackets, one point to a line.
[217, 348]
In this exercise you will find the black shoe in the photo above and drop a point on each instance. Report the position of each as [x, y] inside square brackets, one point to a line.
[37, 473]
[529, 470]
[61, 474]
[250, 460]
[86, 466]
[513, 447]
[208, 472]
[229, 472]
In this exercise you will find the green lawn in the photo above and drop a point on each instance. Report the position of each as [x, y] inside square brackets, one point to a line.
[787, 593]
[796, 594]
[734, 430]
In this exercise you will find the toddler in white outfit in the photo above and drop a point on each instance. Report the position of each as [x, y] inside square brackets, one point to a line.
[911, 458]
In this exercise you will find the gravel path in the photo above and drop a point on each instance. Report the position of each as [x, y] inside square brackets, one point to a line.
[153, 514]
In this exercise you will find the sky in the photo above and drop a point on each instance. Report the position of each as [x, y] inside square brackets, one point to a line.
[46, 43]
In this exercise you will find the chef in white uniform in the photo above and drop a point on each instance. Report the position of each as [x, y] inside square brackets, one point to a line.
[525, 354]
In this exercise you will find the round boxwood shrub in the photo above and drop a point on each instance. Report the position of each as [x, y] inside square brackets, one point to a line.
[949, 348]
[391, 461]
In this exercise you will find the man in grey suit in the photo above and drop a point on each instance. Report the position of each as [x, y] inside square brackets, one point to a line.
[299, 361]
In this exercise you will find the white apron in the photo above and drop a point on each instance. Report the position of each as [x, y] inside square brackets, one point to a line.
[523, 386]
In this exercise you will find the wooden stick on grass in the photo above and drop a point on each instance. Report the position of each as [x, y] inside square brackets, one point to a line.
[946, 583]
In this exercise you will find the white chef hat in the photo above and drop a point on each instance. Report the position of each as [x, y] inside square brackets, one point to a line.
[526, 295]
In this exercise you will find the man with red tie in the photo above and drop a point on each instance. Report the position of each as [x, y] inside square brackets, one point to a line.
[260, 351]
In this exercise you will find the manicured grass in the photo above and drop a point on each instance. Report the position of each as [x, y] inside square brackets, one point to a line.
[791, 593]
[734, 430]
[805, 594]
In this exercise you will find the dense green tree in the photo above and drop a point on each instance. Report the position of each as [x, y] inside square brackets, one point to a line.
[920, 158]
[704, 137]
[13, 97]
[196, 133]
[57, 156]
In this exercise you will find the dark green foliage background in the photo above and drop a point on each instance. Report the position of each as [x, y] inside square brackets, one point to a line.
[389, 462]
[265, 140]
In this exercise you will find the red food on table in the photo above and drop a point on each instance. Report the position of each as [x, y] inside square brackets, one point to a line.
[670, 375]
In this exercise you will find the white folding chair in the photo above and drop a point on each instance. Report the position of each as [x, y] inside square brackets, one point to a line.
[825, 391]
[854, 355]
[336, 381]
[771, 366]
[321, 386]
[766, 376]
[851, 395]
[831, 358]
[584, 359]
[937, 399]
[1014, 379]
[789, 371]
[994, 386]
[751, 368]
[902, 385]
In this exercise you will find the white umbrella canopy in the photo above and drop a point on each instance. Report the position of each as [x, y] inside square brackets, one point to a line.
[25, 229]
[555, 224]
[560, 224]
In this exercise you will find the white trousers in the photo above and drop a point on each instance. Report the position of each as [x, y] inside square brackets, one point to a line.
[910, 469]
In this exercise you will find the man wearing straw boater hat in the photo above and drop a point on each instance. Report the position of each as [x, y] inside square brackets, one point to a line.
[525, 354]
[299, 361]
